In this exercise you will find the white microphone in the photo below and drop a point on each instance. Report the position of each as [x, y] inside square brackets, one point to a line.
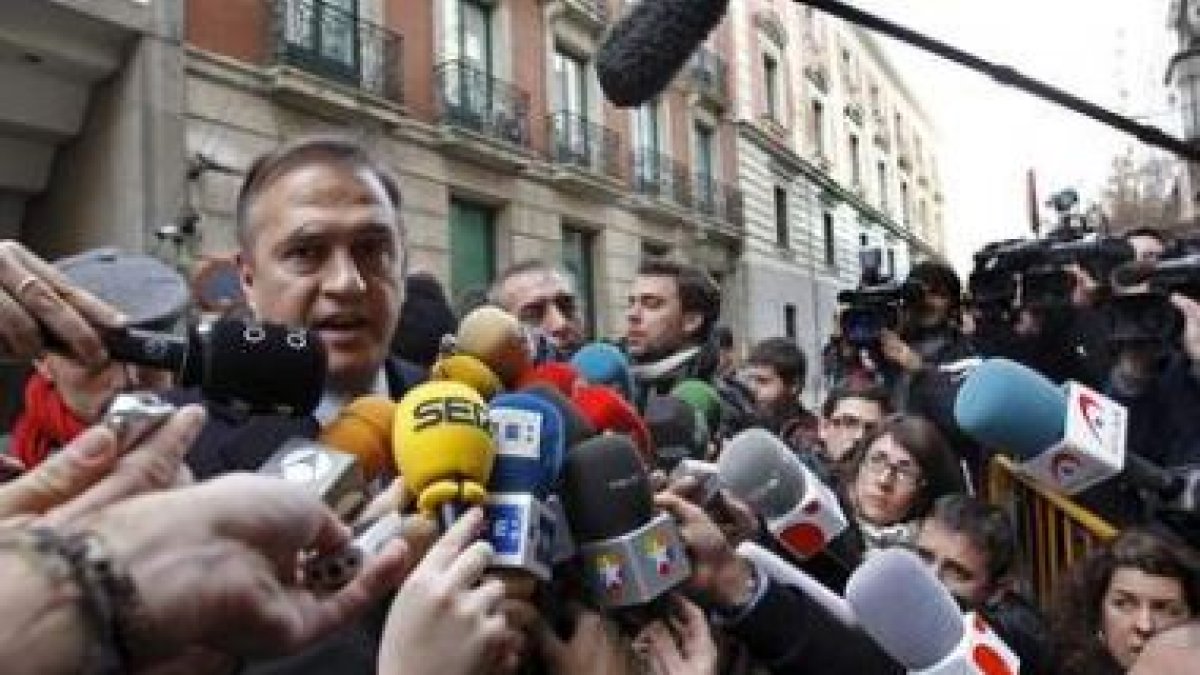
[914, 619]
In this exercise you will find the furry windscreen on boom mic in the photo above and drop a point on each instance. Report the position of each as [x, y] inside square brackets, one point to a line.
[646, 48]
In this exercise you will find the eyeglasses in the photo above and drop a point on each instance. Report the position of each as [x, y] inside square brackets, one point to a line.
[878, 466]
[535, 312]
[852, 423]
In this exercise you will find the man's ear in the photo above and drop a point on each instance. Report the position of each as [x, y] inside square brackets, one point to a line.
[691, 324]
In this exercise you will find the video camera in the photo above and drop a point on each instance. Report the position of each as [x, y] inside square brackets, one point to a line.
[877, 304]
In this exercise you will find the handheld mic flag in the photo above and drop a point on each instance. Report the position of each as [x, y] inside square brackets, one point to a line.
[604, 364]
[644, 50]
[495, 337]
[913, 618]
[608, 412]
[1068, 440]
[468, 370]
[333, 476]
[443, 448]
[801, 511]
[363, 428]
[631, 556]
[528, 433]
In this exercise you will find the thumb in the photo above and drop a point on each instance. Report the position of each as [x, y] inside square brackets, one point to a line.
[63, 476]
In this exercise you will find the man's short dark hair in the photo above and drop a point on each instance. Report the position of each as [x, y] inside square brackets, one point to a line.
[698, 292]
[329, 148]
[986, 526]
[783, 356]
[874, 393]
[1148, 232]
[517, 269]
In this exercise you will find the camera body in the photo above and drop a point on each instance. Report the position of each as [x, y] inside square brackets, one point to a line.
[876, 305]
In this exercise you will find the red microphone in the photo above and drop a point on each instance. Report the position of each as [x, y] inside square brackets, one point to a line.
[607, 411]
[561, 376]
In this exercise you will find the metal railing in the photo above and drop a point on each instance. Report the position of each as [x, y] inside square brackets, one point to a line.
[578, 142]
[710, 73]
[715, 199]
[1053, 532]
[471, 98]
[596, 10]
[329, 41]
[657, 175]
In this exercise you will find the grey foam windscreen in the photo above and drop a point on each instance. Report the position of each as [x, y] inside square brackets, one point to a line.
[905, 609]
[761, 470]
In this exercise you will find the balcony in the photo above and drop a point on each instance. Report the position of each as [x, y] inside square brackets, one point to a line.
[590, 14]
[710, 76]
[487, 119]
[660, 177]
[325, 40]
[716, 200]
[587, 154]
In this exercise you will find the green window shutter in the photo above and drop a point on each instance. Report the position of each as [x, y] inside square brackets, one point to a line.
[472, 247]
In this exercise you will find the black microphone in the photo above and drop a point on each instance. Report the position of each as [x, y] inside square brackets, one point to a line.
[246, 366]
[645, 49]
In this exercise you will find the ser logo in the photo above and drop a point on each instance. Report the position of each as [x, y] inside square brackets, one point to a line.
[450, 410]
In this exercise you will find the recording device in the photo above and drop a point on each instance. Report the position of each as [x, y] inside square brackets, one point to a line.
[528, 433]
[631, 556]
[801, 511]
[247, 366]
[1181, 274]
[915, 620]
[606, 411]
[333, 476]
[330, 572]
[604, 364]
[363, 428]
[678, 431]
[496, 338]
[468, 370]
[1069, 247]
[132, 416]
[443, 447]
[876, 305]
[1142, 319]
[1067, 440]
[644, 50]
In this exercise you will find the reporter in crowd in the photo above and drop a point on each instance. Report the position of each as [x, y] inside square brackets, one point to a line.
[775, 372]
[895, 476]
[542, 297]
[848, 415]
[1115, 601]
[64, 395]
[971, 547]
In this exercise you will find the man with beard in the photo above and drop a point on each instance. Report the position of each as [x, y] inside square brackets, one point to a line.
[775, 372]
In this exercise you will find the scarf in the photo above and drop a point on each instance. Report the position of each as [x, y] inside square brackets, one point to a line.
[45, 425]
[877, 537]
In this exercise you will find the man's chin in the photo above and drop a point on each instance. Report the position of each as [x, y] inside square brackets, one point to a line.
[355, 372]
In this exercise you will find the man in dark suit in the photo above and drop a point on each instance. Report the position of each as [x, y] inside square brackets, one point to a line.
[322, 246]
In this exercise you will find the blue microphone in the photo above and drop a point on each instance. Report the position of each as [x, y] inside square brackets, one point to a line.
[530, 440]
[604, 364]
[1006, 405]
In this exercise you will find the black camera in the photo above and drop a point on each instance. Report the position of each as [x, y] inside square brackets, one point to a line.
[876, 305]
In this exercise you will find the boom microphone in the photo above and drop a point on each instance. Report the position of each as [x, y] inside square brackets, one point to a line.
[443, 448]
[644, 50]
[631, 556]
[914, 619]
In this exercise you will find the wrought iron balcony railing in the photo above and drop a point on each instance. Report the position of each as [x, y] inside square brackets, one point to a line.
[715, 199]
[583, 144]
[329, 41]
[657, 175]
[471, 98]
[710, 73]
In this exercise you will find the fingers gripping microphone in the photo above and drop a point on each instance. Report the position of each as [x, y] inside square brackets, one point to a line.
[645, 49]
[608, 412]
[1068, 440]
[603, 364]
[468, 370]
[495, 337]
[801, 511]
[913, 618]
[443, 448]
[528, 432]
[364, 429]
[631, 556]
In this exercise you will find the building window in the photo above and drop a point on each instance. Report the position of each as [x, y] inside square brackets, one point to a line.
[652, 249]
[325, 35]
[905, 204]
[705, 167]
[818, 127]
[881, 169]
[648, 146]
[789, 321]
[570, 80]
[855, 166]
[577, 254]
[472, 247]
[475, 34]
[782, 234]
[771, 84]
[891, 262]
[863, 240]
[830, 240]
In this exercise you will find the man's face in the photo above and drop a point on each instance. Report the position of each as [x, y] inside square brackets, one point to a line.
[770, 391]
[655, 323]
[1137, 606]
[88, 391]
[325, 252]
[852, 419]
[957, 562]
[543, 299]
[1147, 249]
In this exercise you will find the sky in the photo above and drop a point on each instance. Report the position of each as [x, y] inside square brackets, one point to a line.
[990, 135]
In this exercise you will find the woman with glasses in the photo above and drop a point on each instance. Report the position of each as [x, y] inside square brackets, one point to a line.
[896, 474]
